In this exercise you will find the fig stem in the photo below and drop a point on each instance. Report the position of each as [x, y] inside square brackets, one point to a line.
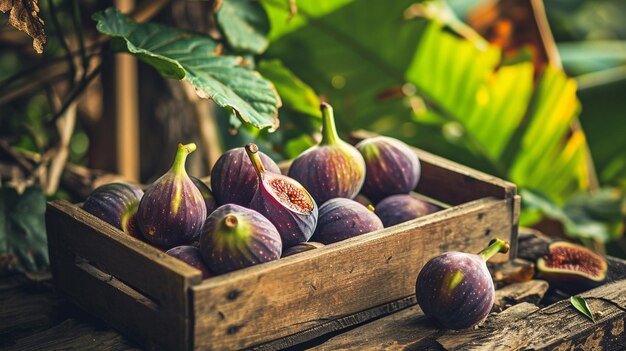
[253, 153]
[181, 156]
[329, 130]
[495, 246]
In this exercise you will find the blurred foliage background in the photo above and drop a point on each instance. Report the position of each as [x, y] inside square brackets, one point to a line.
[523, 90]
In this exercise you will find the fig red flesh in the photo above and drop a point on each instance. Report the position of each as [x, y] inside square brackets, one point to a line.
[233, 178]
[284, 201]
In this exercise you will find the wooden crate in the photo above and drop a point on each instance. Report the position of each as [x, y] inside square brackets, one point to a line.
[163, 303]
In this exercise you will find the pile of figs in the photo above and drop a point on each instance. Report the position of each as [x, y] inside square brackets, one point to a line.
[251, 213]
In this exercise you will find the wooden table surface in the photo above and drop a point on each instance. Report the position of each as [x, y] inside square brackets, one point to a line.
[526, 315]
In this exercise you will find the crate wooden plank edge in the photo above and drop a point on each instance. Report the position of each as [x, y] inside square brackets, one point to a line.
[149, 288]
[281, 298]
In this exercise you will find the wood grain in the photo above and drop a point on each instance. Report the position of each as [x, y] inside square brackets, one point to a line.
[558, 326]
[161, 277]
[307, 290]
[135, 287]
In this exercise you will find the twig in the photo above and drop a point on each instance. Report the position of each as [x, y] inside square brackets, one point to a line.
[77, 91]
[66, 48]
[78, 27]
[65, 126]
[6, 148]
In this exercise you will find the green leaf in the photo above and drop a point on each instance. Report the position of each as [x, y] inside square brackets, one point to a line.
[23, 244]
[581, 305]
[245, 25]
[295, 94]
[450, 93]
[197, 59]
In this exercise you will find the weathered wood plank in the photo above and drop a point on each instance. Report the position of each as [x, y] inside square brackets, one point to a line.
[27, 308]
[558, 326]
[157, 275]
[73, 334]
[121, 306]
[308, 290]
[510, 295]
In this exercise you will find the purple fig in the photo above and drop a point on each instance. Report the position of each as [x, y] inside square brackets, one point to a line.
[302, 247]
[284, 201]
[235, 237]
[397, 209]
[172, 209]
[331, 169]
[391, 167]
[233, 178]
[341, 218]
[207, 195]
[456, 289]
[192, 256]
[116, 204]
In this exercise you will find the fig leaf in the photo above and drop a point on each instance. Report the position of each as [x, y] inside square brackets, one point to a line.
[226, 79]
[581, 305]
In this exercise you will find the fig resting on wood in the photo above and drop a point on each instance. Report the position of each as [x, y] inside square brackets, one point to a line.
[456, 289]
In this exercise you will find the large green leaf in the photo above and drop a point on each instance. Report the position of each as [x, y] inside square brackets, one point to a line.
[245, 25]
[22, 230]
[225, 79]
[386, 68]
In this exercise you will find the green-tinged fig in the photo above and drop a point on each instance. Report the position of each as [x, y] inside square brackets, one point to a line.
[302, 247]
[397, 209]
[235, 237]
[284, 201]
[331, 169]
[391, 167]
[207, 195]
[116, 204]
[456, 289]
[192, 256]
[172, 210]
[233, 178]
[571, 267]
[341, 218]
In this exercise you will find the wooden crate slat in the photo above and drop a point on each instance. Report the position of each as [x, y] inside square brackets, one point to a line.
[284, 297]
[113, 301]
[157, 275]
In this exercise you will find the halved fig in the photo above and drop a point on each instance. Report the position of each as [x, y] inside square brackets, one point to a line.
[572, 267]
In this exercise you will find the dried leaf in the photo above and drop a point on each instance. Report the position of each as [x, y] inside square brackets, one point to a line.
[24, 16]
[581, 305]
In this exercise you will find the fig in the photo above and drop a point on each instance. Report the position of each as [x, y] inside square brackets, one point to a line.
[284, 201]
[341, 218]
[233, 178]
[331, 169]
[302, 247]
[116, 204]
[192, 256]
[235, 237]
[456, 289]
[572, 267]
[207, 195]
[391, 167]
[172, 210]
[397, 209]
